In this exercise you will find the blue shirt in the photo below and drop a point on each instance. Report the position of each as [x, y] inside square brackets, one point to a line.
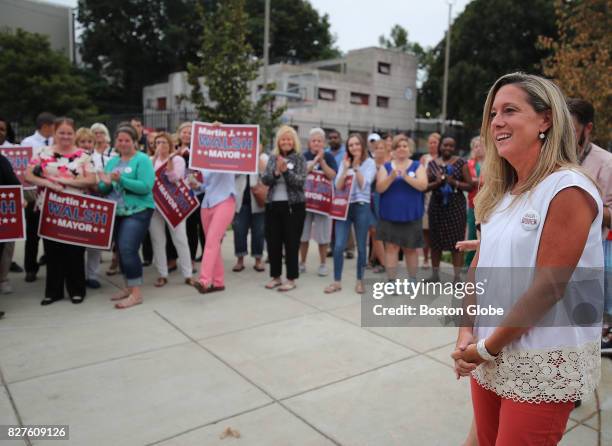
[361, 194]
[339, 155]
[401, 202]
[218, 186]
[329, 159]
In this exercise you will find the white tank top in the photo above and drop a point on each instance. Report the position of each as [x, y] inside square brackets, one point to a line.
[546, 364]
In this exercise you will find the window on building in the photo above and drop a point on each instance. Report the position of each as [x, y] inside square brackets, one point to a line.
[360, 99]
[382, 101]
[327, 94]
[161, 103]
[149, 104]
[384, 68]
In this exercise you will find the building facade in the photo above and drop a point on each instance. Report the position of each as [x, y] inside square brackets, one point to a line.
[49, 19]
[368, 89]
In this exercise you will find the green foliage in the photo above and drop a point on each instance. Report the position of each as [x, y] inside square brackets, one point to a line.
[398, 39]
[34, 78]
[490, 38]
[225, 67]
[133, 43]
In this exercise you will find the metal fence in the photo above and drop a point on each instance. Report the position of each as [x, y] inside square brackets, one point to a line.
[170, 120]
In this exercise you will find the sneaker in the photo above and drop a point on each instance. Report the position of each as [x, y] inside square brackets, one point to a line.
[606, 345]
[323, 271]
[302, 268]
[5, 287]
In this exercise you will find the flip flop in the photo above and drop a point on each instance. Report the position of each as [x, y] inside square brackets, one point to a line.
[272, 285]
[259, 269]
[237, 268]
[286, 287]
[333, 288]
[127, 303]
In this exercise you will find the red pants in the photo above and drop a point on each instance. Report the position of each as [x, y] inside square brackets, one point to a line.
[503, 422]
[215, 221]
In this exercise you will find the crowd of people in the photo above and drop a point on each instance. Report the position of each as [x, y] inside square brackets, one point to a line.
[534, 156]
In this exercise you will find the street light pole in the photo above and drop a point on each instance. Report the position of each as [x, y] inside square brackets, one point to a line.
[446, 61]
[266, 44]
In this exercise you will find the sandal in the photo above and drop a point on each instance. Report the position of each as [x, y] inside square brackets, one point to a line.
[113, 270]
[378, 269]
[273, 284]
[161, 281]
[120, 295]
[48, 301]
[203, 289]
[130, 301]
[189, 281]
[77, 299]
[288, 286]
[334, 287]
[237, 268]
[359, 288]
[259, 269]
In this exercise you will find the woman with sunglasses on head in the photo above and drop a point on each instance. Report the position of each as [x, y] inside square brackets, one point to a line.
[62, 167]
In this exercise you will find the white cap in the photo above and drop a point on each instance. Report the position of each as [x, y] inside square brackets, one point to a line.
[373, 137]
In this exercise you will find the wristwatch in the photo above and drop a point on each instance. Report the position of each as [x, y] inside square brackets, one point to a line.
[483, 352]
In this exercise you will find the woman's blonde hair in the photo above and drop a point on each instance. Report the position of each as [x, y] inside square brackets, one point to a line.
[401, 137]
[167, 137]
[81, 134]
[281, 131]
[558, 148]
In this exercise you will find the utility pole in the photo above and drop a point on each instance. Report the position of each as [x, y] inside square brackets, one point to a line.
[446, 60]
[266, 44]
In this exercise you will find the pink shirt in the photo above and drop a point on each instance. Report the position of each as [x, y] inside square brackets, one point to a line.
[178, 168]
[598, 164]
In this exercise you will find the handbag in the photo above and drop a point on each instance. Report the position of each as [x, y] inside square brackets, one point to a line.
[260, 192]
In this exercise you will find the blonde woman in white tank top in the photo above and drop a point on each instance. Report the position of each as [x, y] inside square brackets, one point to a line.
[540, 212]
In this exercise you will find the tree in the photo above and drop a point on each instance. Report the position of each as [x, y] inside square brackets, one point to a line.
[398, 39]
[580, 59]
[225, 67]
[137, 42]
[34, 78]
[489, 39]
[133, 43]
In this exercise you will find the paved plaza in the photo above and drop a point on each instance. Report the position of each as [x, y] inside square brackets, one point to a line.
[290, 368]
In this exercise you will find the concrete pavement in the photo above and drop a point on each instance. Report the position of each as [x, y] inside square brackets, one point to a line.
[291, 368]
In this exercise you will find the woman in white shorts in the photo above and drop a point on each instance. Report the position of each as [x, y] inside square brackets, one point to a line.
[318, 160]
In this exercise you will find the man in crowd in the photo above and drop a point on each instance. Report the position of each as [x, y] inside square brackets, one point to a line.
[142, 138]
[598, 163]
[42, 137]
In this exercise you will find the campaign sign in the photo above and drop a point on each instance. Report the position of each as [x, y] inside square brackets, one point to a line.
[319, 192]
[19, 157]
[341, 200]
[12, 219]
[77, 219]
[224, 148]
[172, 199]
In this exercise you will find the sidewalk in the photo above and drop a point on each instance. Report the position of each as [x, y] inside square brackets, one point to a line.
[290, 368]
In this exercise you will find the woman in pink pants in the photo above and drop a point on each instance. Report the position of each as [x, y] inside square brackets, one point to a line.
[217, 212]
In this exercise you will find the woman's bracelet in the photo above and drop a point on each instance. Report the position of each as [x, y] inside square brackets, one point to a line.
[483, 352]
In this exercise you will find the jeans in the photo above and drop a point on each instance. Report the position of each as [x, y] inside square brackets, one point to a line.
[358, 215]
[243, 221]
[130, 231]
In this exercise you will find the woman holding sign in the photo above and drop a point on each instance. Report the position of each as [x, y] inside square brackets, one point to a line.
[401, 181]
[128, 179]
[174, 171]
[63, 167]
[362, 169]
[319, 161]
[285, 209]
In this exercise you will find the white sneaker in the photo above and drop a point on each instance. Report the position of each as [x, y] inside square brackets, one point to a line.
[302, 267]
[5, 287]
[323, 271]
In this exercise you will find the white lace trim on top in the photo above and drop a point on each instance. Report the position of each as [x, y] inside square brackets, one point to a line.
[543, 376]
